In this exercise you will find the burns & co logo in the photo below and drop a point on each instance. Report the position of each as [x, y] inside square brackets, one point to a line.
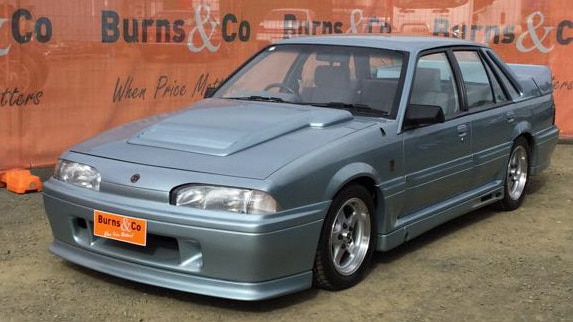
[199, 31]
[126, 229]
[535, 36]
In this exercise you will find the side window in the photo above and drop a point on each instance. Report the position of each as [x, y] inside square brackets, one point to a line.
[434, 84]
[478, 87]
[511, 90]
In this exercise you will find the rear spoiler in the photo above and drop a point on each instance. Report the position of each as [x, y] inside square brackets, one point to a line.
[535, 80]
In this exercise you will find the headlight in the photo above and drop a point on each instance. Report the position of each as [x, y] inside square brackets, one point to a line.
[78, 174]
[243, 201]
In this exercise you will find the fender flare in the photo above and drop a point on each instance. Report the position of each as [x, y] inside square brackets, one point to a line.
[347, 174]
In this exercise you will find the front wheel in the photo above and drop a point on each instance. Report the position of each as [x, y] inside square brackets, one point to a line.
[347, 240]
[517, 175]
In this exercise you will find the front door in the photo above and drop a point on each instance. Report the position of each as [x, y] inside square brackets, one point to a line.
[438, 157]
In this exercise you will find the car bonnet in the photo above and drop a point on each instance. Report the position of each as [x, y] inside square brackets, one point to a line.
[226, 137]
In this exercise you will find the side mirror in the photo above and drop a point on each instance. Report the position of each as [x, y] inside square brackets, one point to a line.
[209, 92]
[418, 115]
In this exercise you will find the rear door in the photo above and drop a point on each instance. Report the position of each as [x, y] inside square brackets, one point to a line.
[492, 115]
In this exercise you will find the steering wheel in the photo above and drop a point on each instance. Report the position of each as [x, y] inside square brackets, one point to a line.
[281, 86]
[295, 98]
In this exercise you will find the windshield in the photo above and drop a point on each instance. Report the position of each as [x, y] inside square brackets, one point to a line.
[362, 80]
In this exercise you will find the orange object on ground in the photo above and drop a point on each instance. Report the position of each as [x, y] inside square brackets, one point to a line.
[20, 181]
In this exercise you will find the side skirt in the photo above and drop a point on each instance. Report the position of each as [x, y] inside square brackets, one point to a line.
[414, 225]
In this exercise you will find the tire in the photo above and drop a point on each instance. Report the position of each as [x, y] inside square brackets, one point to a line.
[347, 240]
[517, 175]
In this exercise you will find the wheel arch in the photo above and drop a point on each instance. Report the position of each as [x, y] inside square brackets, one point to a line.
[360, 174]
[526, 134]
[524, 129]
[356, 173]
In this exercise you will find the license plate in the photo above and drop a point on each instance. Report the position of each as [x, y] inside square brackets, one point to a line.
[122, 228]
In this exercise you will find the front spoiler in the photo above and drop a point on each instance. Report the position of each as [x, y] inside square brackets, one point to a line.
[182, 282]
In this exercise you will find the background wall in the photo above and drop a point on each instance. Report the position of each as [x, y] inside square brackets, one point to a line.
[72, 69]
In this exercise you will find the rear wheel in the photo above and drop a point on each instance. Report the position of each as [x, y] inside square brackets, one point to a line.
[347, 240]
[517, 175]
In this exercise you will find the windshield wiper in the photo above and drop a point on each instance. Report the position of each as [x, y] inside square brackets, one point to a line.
[359, 108]
[258, 98]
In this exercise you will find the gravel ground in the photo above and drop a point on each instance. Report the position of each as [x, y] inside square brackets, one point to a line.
[487, 265]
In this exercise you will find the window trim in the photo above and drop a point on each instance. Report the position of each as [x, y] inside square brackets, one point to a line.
[492, 75]
[507, 73]
[503, 79]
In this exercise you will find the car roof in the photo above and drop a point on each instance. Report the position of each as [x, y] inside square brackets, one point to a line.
[402, 43]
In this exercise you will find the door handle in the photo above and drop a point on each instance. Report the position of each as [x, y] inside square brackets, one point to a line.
[510, 117]
[462, 131]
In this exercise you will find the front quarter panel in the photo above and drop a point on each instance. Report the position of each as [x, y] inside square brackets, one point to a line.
[372, 156]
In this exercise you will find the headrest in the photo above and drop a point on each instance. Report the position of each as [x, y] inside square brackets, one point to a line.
[427, 79]
[332, 76]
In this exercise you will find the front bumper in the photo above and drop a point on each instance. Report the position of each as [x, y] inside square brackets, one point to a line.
[223, 255]
[181, 281]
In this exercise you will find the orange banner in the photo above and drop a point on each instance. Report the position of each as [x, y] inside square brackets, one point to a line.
[72, 69]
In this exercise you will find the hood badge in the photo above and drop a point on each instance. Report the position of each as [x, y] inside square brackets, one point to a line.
[134, 178]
